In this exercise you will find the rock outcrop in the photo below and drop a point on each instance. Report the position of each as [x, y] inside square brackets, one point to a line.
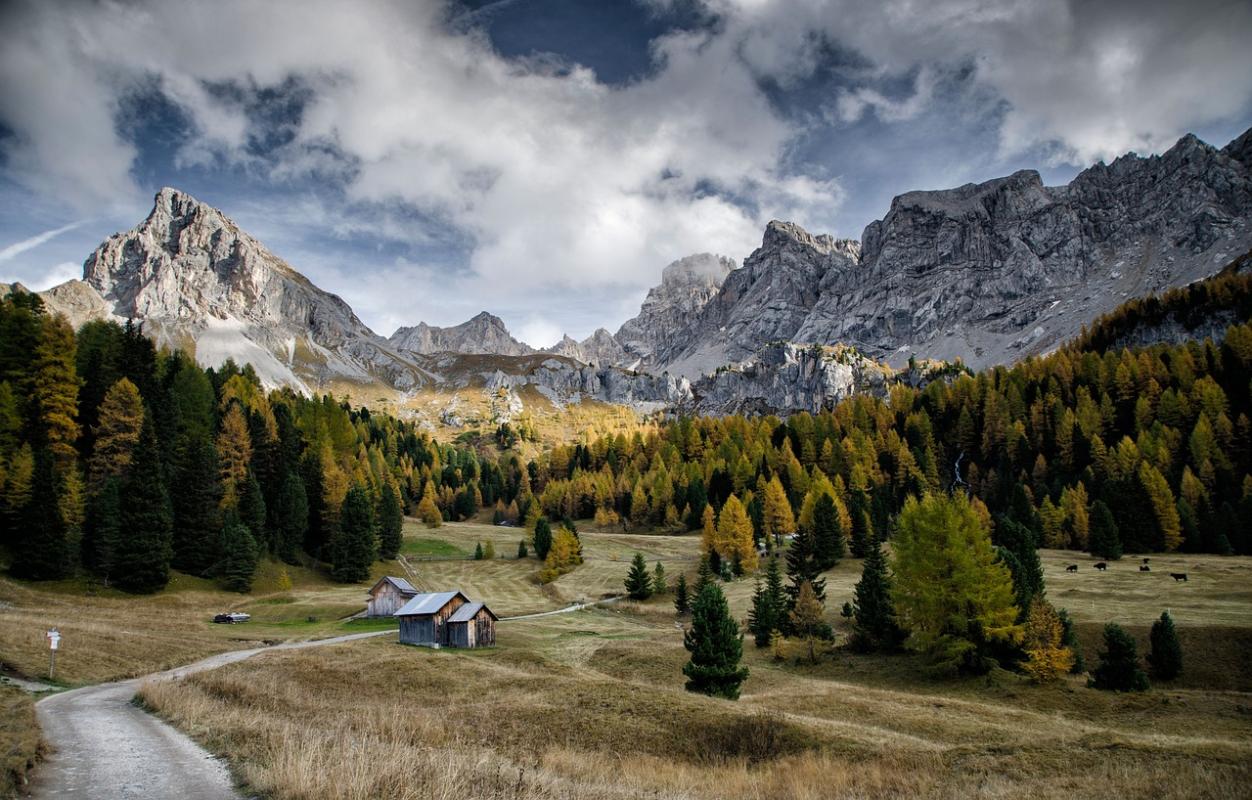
[598, 349]
[687, 285]
[986, 272]
[197, 281]
[483, 333]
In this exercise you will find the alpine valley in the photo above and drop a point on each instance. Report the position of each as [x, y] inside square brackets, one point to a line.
[983, 274]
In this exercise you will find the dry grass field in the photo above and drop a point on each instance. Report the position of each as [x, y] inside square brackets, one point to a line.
[19, 738]
[590, 704]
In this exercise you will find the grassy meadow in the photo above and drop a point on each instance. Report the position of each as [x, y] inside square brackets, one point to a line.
[590, 704]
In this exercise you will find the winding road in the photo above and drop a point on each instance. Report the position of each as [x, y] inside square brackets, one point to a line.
[105, 748]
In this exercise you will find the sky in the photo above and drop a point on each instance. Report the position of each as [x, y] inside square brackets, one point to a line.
[545, 159]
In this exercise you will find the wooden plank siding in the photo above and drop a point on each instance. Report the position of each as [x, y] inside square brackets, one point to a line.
[477, 632]
[429, 628]
[385, 601]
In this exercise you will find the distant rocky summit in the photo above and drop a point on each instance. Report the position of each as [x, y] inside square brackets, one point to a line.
[985, 273]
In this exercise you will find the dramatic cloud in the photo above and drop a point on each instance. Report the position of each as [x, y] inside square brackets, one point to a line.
[457, 178]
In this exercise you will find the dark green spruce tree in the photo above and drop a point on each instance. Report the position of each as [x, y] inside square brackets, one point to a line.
[390, 522]
[355, 547]
[769, 605]
[251, 511]
[827, 533]
[1104, 539]
[1018, 550]
[240, 553]
[291, 517]
[1165, 655]
[802, 567]
[197, 519]
[141, 560]
[46, 547]
[715, 645]
[875, 626]
[1119, 670]
[638, 581]
[682, 603]
[1069, 638]
[543, 538]
[102, 529]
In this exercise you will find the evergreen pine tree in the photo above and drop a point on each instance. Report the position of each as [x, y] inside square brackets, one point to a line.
[521, 549]
[197, 518]
[46, 547]
[478, 551]
[390, 522]
[291, 517]
[769, 605]
[1119, 663]
[715, 646]
[251, 510]
[638, 581]
[1105, 540]
[682, 603]
[802, 567]
[704, 575]
[239, 553]
[102, 531]
[355, 546]
[659, 584]
[141, 559]
[1018, 552]
[543, 538]
[875, 627]
[1165, 654]
[827, 533]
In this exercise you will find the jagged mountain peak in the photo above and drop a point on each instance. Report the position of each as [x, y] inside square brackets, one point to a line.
[482, 333]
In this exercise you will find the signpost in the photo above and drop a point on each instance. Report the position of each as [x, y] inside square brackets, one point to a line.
[54, 642]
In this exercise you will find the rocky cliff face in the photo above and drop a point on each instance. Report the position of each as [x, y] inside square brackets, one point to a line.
[598, 349]
[986, 272]
[196, 280]
[686, 287]
[785, 378]
[484, 333]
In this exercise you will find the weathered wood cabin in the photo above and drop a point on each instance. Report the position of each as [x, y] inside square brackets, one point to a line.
[388, 596]
[435, 619]
[472, 625]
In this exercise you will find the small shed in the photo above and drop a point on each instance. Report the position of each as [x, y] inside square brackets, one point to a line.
[388, 596]
[424, 619]
[472, 625]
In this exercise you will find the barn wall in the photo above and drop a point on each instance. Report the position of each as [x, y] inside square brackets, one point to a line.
[385, 602]
[417, 630]
[458, 635]
[484, 634]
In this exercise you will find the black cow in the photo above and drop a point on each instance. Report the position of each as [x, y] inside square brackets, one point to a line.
[1145, 568]
[1178, 576]
[1072, 568]
[1102, 566]
[1146, 560]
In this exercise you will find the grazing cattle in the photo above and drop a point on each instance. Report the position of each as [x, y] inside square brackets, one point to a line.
[1145, 568]
[1102, 566]
[1072, 568]
[1178, 576]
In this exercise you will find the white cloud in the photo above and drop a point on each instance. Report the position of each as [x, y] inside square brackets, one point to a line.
[565, 186]
[17, 248]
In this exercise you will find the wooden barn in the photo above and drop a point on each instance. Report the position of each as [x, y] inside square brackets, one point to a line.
[388, 596]
[472, 625]
[435, 619]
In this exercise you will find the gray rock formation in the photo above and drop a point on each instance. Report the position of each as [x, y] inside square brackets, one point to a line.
[990, 272]
[483, 333]
[197, 281]
[687, 285]
[598, 349]
[75, 300]
[785, 378]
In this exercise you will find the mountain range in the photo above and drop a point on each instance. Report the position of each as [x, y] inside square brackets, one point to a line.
[986, 273]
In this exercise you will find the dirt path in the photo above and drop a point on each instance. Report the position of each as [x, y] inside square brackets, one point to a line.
[105, 748]
[575, 607]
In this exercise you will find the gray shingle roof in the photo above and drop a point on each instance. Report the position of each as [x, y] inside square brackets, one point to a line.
[400, 583]
[428, 603]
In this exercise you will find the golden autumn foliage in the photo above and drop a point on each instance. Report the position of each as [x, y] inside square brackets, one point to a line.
[1047, 658]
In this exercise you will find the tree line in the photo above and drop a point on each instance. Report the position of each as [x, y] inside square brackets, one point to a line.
[124, 462]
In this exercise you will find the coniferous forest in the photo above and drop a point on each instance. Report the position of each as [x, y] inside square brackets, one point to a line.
[125, 462]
